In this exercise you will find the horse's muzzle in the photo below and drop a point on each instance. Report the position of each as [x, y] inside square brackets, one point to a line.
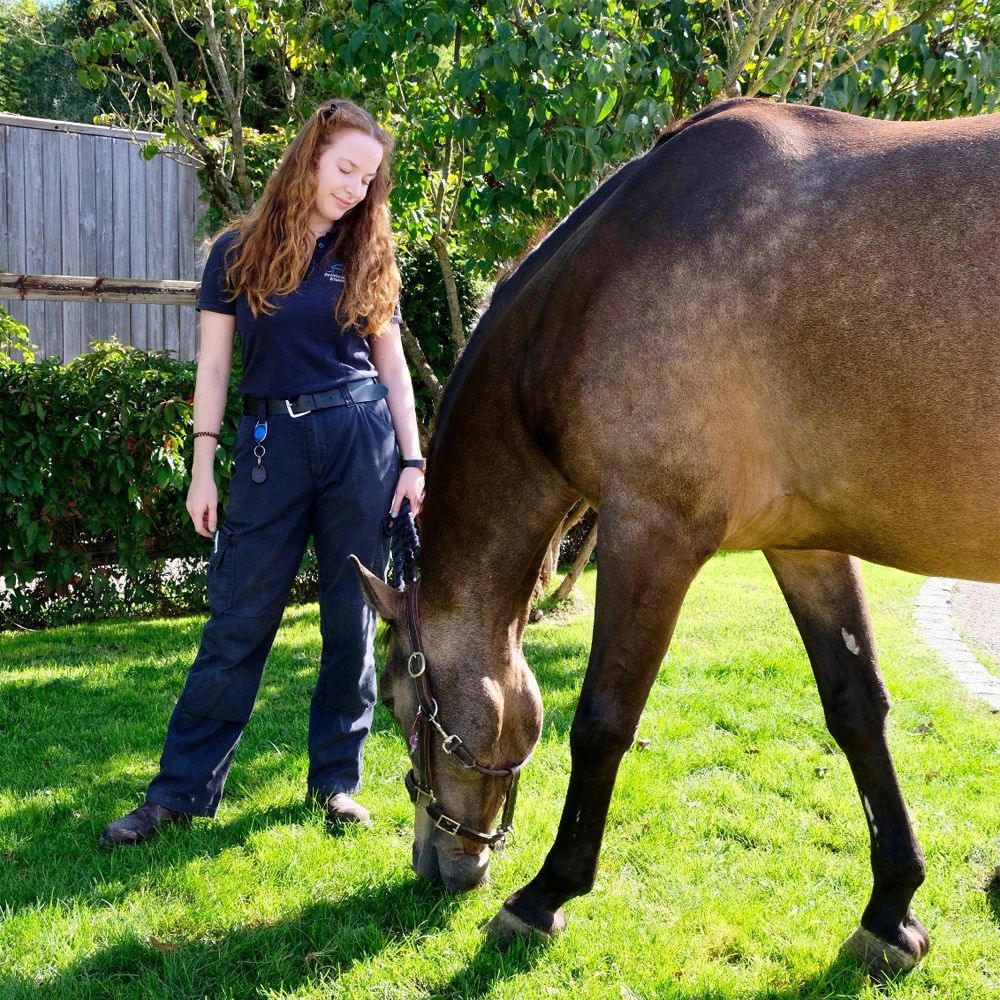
[457, 871]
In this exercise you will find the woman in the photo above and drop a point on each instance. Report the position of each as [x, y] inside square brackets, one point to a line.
[308, 279]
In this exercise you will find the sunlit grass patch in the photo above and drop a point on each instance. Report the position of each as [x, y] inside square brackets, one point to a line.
[735, 859]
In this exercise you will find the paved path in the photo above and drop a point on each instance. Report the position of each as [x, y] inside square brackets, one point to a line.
[975, 613]
[975, 607]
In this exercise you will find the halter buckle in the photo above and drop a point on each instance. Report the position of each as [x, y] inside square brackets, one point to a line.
[448, 825]
[451, 743]
[419, 795]
[416, 664]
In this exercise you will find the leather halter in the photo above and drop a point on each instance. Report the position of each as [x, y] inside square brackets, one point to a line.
[420, 781]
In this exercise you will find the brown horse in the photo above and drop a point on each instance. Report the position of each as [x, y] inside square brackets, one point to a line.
[778, 329]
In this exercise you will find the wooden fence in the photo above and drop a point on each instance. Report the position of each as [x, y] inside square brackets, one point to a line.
[80, 199]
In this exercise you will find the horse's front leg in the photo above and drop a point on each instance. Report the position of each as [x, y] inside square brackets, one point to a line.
[826, 599]
[644, 571]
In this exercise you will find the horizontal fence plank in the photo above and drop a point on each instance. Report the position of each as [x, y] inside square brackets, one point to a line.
[81, 288]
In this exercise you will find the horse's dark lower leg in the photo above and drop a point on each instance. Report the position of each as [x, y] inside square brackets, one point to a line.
[642, 580]
[824, 593]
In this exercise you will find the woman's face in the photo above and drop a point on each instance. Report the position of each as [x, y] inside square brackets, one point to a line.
[343, 172]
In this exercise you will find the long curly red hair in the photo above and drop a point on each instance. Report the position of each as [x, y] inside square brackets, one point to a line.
[274, 246]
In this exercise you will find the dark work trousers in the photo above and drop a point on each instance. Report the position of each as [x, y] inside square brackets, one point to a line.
[331, 474]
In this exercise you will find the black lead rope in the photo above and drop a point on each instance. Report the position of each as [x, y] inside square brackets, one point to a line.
[404, 547]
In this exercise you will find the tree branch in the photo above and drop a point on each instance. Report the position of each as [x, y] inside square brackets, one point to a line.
[418, 359]
[831, 73]
[231, 100]
[579, 565]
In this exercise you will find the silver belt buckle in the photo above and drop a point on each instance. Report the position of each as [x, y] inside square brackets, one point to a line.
[293, 415]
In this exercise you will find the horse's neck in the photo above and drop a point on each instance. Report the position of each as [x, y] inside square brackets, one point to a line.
[493, 505]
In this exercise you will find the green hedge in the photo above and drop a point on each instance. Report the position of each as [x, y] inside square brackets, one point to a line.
[93, 479]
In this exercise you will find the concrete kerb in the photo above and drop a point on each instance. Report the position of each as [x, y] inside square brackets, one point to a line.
[932, 614]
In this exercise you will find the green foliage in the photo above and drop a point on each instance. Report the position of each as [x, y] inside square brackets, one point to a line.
[93, 481]
[521, 125]
[14, 337]
[425, 309]
[263, 150]
[39, 76]
[946, 67]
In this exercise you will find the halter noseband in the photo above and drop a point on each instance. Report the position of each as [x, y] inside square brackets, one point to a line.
[419, 780]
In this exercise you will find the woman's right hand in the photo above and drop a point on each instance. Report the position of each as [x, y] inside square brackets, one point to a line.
[203, 504]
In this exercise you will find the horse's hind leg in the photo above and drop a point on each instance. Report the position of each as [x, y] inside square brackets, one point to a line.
[824, 593]
[644, 569]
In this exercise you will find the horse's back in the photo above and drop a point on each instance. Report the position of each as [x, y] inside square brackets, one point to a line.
[789, 317]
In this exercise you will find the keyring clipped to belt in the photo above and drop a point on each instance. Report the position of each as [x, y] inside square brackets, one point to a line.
[258, 473]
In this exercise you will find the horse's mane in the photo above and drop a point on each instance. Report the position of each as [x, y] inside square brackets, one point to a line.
[538, 251]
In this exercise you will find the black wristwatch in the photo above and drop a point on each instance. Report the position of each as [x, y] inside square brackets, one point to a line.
[415, 463]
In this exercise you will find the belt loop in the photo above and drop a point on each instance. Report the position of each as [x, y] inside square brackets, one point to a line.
[346, 393]
[262, 410]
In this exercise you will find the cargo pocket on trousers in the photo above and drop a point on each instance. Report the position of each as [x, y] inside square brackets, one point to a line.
[222, 570]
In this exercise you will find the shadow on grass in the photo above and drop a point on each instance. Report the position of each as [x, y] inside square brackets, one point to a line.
[323, 941]
[488, 966]
[844, 979]
[993, 897]
[319, 942]
[81, 871]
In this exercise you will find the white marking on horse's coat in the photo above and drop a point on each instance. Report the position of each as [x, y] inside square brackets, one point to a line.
[871, 816]
[850, 642]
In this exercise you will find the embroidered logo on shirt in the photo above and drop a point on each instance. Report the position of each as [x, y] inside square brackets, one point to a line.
[335, 272]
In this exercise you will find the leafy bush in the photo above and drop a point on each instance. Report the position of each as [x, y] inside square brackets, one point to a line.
[92, 486]
[425, 308]
[14, 337]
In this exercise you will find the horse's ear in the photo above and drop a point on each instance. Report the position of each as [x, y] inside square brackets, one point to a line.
[379, 595]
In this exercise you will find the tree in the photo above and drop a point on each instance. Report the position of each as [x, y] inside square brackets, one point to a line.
[947, 65]
[508, 115]
[219, 79]
[39, 75]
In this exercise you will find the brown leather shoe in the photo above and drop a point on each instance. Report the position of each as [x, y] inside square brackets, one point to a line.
[139, 825]
[341, 809]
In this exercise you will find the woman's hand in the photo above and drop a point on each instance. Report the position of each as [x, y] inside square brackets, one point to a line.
[203, 504]
[411, 487]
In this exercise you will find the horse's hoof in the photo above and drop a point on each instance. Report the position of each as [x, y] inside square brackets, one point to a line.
[507, 927]
[885, 959]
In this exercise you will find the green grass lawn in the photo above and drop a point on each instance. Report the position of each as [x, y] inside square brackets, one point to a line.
[734, 864]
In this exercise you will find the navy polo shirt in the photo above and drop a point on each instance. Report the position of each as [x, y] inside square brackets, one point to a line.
[300, 346]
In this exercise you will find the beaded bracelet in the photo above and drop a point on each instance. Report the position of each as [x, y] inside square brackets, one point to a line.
[206, 434]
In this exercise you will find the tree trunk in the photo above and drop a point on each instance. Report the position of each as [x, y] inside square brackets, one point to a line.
[417, 358]
[551, 561]
[454, 312]
[579, 564]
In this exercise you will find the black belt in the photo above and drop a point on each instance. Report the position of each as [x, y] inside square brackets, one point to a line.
[348, 394]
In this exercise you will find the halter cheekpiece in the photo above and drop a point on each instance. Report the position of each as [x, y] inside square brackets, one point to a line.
[420, 781]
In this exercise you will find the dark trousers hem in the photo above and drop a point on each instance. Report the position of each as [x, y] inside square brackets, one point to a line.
[182, 806]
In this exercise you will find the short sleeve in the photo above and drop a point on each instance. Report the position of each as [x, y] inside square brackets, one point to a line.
[214, 294]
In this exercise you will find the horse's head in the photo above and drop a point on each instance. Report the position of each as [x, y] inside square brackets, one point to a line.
[471, 713]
